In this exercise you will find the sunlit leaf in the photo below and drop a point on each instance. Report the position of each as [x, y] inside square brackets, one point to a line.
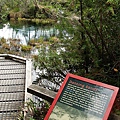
[116, 70]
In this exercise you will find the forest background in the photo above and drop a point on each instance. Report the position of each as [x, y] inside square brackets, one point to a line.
[92, 47]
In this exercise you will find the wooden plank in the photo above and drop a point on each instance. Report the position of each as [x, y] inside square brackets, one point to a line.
[41, 92]
[18, 66]
[9, 115]
[12, 86]
[12, 82]
[18, 96]
[11, 76]
[16, 88]
[13, 71]
[13, 57]
[9, 62]
[11, 106]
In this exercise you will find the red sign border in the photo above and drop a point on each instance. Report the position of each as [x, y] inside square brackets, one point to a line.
[106, 115]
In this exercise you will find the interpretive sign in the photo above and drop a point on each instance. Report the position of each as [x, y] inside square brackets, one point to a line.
[81, 98]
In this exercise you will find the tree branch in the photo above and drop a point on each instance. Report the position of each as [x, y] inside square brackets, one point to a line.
[91, 39]
[103, 42]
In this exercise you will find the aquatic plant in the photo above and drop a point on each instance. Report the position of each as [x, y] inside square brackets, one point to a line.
[26, 48]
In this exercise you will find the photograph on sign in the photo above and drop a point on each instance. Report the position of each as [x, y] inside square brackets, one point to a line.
[82, 99]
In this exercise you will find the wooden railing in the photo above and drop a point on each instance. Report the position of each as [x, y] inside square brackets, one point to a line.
[13, 57]
[41, 92]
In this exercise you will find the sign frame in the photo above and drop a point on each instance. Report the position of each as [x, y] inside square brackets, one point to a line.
[110, 104]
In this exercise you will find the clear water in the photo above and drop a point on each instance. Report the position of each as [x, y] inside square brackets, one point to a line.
[25, 31]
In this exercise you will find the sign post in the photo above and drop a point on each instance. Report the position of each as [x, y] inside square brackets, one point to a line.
[81, 98]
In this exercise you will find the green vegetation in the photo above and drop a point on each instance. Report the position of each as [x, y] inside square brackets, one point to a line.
[10, 46]
[34, 111]
[27, 10]
[26, 48]
[88, 43]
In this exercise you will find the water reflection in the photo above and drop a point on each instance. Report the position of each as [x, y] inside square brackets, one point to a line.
[26, 32]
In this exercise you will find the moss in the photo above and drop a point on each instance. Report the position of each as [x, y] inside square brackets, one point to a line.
[53, 39]
[15, 15]
[39, 21]
[35, 57]
[32, 42]
[23, 19]
[37, 46]
[26, 48]
[36, 43]
[12, 15]
[2, 51]
[13, 19]
[2, 41]
[40, 40]
[6, 46]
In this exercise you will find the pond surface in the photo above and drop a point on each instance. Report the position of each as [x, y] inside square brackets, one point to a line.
[25, 31]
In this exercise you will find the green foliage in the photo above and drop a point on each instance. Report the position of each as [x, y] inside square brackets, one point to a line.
[89, 44]
[26, 48]
[88, 40]
[34, 111]
[30, 12]
[117, 112]
[4, 16]
[2, 41]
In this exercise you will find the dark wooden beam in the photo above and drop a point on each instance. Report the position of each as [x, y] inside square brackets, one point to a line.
[41, 92]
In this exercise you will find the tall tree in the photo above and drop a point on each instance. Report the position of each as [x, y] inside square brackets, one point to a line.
[90, 44]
